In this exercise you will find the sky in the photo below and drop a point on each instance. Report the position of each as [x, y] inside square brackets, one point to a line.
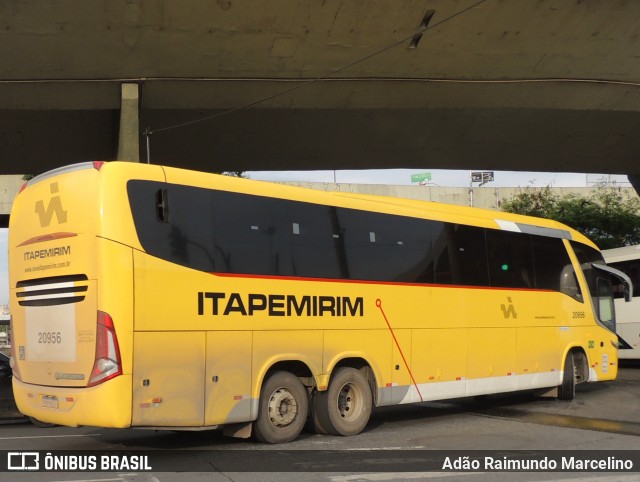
[440, 177]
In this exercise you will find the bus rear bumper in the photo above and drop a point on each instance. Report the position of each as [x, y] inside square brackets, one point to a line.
[105, 405]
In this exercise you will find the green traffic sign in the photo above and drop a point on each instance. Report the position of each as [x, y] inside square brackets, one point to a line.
[425, 176]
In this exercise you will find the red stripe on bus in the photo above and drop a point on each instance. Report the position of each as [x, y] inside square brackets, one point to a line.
[47, 237]
[379, 305]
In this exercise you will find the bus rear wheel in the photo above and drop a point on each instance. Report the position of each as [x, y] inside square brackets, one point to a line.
[567, 390]
[282, 410]
[345, 407]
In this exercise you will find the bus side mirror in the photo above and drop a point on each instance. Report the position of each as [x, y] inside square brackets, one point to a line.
[627, 293]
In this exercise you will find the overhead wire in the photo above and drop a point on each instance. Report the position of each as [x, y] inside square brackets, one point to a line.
[304, 83]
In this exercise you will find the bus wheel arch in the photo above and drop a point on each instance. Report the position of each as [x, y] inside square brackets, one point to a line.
[296, 367]
[345, 407]
[365, 368]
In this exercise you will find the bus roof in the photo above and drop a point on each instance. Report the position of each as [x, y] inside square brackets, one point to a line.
[390, 205]
[386, 204]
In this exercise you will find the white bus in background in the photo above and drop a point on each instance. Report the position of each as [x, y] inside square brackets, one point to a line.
[627, 260]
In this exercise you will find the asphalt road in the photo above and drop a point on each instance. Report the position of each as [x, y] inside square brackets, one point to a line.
[400, 443]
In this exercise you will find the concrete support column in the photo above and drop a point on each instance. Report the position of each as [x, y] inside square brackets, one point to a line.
[129, 138]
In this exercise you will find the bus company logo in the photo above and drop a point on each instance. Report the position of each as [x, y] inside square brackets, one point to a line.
[47, 253]
[54, 207]
[509, 310]
[278, 305]
[23, 461]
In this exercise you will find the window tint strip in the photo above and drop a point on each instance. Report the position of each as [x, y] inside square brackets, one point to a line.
[533, 229]
[229, 233]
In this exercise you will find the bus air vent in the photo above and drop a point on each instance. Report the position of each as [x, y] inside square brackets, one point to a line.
[55, 290]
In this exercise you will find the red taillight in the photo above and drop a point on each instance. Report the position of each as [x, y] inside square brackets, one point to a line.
[107, 363]
[97, 165]
[24, 186]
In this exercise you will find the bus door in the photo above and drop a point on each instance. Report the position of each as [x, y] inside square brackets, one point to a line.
[604, 299]
[228, 378]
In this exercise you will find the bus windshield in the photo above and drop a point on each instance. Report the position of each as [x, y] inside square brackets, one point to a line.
[599, 277]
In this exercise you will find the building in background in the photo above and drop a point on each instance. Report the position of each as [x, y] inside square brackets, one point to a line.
[482, 197]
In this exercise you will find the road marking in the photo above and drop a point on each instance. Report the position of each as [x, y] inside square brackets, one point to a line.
[401, 476]
[122, 478]
[50, 436]
[564, 421]
[371, 449]
[99, 480]
[600, 478]
[435, 475]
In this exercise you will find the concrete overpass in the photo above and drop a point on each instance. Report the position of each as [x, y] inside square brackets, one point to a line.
[549, 85]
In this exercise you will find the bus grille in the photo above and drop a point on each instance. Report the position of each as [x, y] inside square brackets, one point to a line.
[55, 290]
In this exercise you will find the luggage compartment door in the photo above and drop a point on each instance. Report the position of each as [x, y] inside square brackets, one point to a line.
[168, 379]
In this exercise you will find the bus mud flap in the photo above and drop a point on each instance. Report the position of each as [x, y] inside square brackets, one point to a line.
[238, 430]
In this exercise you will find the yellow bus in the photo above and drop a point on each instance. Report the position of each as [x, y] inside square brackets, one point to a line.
[150, 296]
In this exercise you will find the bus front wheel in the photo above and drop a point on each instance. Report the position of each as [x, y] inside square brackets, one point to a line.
[567, 390]
[282, 410]
[344, 408]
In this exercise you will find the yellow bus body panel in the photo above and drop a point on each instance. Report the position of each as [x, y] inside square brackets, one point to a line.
[168, 378]
[228, 382]
[115, 293]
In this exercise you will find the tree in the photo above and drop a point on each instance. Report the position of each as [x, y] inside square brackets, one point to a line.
[235, 174]
[608, 216]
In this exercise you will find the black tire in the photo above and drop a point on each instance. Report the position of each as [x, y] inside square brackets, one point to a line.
[41, 424]
[567, 390]
[315, 424]
[344, 409]
[282, 410]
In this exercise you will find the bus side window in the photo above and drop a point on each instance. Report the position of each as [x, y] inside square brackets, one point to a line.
[605, 303]
[510, 259]
[605, 300]
[314, 251]
[553, 267]
[461, 256]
